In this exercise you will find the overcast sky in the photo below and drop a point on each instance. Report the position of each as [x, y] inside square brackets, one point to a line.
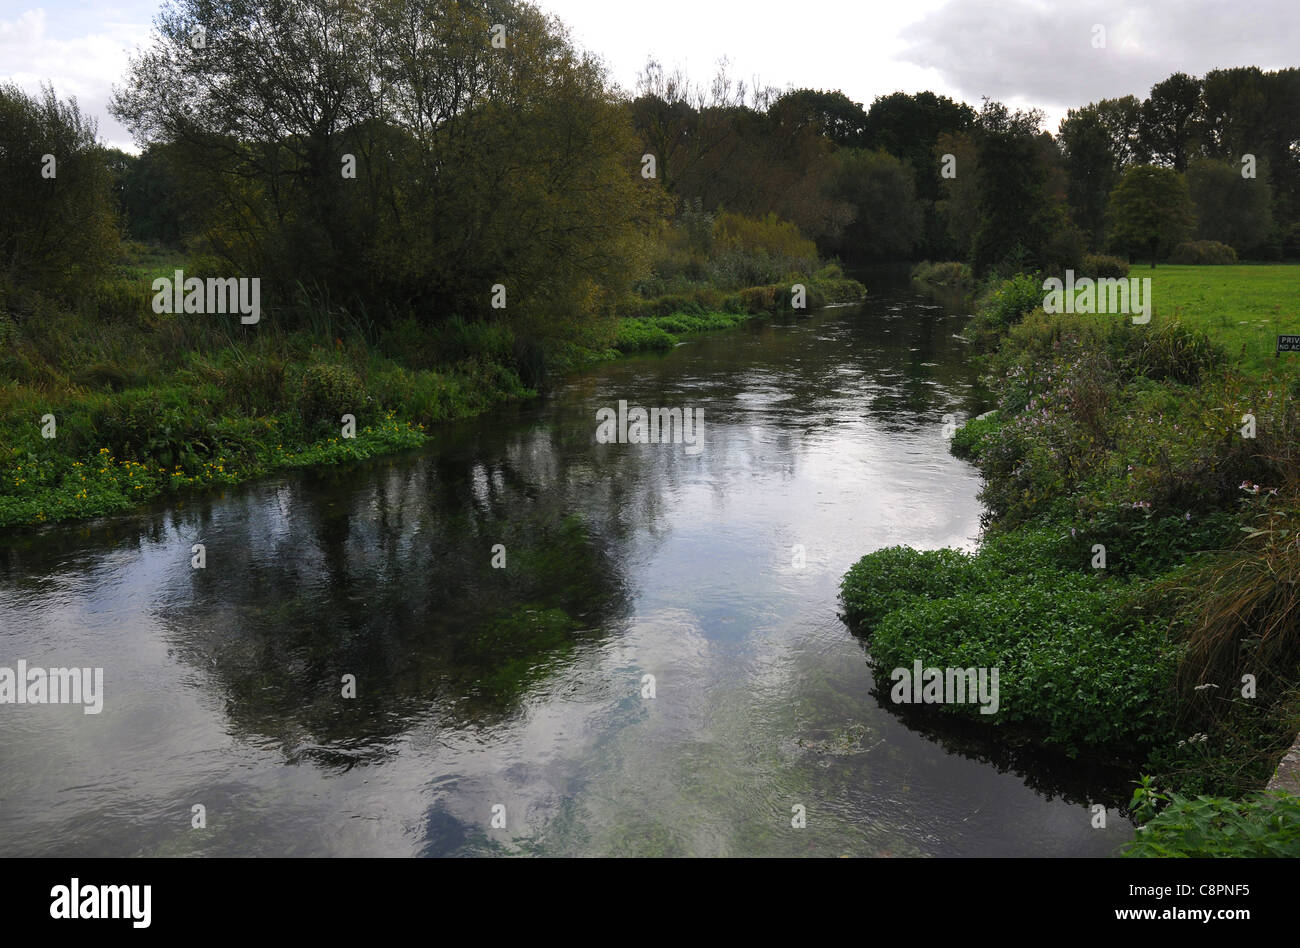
[1024, 52]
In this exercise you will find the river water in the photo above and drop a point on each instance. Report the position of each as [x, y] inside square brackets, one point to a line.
[519, 695]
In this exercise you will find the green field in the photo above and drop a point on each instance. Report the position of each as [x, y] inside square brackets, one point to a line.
[1243, 307]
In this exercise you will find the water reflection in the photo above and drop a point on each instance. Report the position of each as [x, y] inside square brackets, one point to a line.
[523, 687]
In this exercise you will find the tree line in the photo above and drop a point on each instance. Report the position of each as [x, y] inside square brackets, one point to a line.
[409, 155]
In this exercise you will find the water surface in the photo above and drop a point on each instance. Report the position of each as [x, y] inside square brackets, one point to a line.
[522, 687]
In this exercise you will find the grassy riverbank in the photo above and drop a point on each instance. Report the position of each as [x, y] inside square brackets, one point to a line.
[142, 404]
[1137, 585]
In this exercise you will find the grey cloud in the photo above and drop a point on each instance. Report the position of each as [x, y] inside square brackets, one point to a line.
[1043, 53]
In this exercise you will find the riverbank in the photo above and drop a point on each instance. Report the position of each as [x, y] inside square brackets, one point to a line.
[112, 406]
[1136, 586]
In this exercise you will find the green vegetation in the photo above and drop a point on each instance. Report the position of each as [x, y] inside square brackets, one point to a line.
[1103, 266]
[367, 307]
[1179, 657]
[951, 273]
[148, 404]
[1242, 308]
[1150, 211]
[1203, 253]
[1075, 662]
[1263, 824]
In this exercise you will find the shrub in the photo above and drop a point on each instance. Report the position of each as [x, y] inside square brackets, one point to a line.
[769, 236]
[1265, 824]
[1203, 252]
[891, 578]
[322, 392]
[1003, 305]
[760, 299]
[967, 440]
[949, 273]
[1170, 351]
[1103, 266]
[1242, 608]
[639, 335]
[1076, 669]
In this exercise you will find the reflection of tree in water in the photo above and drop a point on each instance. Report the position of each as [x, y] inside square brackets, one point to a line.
[1051, 773]
[389, 577]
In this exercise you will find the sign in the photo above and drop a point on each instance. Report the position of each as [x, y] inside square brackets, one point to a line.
[1288, 343]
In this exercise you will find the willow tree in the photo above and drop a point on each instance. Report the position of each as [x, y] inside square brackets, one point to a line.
[412, 154]
[58, 226]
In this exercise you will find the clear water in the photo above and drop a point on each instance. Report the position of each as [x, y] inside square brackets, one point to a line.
[522, 687]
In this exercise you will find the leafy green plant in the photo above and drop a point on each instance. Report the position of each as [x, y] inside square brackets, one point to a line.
[1203, 253]
[1004, 304]
[948, 273]
[1100, 265]
[1211, 827]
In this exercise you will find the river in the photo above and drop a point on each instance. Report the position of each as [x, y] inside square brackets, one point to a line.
[519, 696]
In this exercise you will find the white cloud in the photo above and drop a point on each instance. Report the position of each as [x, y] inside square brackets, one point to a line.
[84, 67]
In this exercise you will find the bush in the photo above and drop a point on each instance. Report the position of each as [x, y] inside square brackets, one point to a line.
[891, 578]
[641, 335]
[1170, 351]
[159, 425]
[1003, 305]
[1077, 668]
[1203, 252]
[949, 273]
[967, 440]
[769, 237]
[1211, 827]
[1075, 671]
[322, 392]
[1104, 266]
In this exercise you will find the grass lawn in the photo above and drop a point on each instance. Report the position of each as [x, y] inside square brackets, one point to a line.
[1244, 307]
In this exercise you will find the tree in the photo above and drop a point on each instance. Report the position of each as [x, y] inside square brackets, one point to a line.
[1122, 118]
[1229, 208]
[151, 196]
[1091, 162]
[473, 163]
[908, 126]
[1246, 111]
[58, 226]
[958, 208]
[886, 215]
[1012, 188]
[742, 149]
[694, 138]
[833, 115]
[1150, 211]
[1165, 128]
